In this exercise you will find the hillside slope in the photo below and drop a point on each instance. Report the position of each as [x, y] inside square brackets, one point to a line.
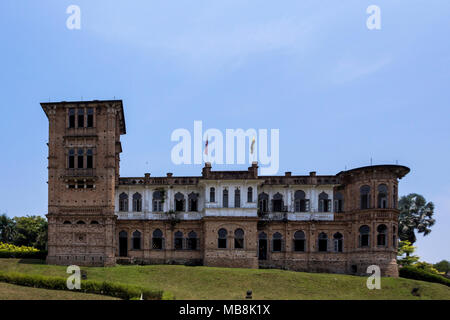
[226, 283]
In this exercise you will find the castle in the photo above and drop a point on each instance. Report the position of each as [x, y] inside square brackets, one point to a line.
[318, 223]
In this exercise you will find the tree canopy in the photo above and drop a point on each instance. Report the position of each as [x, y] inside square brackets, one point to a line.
[416, 214]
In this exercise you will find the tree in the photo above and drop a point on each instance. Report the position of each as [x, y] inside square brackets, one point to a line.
[7, 229]
[405, 251]
[415, 214]
[442, 266]
[31, 231]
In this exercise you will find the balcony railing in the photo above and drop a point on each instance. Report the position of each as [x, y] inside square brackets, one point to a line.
[80, 172]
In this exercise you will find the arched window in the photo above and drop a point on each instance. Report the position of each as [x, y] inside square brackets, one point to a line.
[263, 200]
[94, 222]
[301, 204]
[67, 222]
[250, 194]
[338, 242]
[277, 242]
[136, 240]
[382, 196]
[179, 201]
[364, 192]
[157, 240]
[237, 198]
[212, 195]
[192, 241]
[364, 236]
[193, 201]
[157, 201]
[382, 235]
[323, 242]
[338, 202]
[277, 202]
[137, 202]
[225, 198]
[299, 241]
[81, 222]
[222, 240]
[123, 202]
[239, 239]
[324, 202]
[178, 243]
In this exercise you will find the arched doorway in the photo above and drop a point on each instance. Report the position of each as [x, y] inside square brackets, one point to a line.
[123, 244]
[262, 246]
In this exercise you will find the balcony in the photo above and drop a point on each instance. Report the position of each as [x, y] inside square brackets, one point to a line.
[80, 173]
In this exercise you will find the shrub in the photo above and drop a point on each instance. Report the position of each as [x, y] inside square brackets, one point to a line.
[8, 250]
[411, 272]
[117, 290]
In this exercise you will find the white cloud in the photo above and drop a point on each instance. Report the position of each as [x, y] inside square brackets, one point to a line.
[348, 69]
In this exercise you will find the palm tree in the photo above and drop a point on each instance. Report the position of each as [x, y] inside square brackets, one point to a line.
[7, 229]
[415, 213]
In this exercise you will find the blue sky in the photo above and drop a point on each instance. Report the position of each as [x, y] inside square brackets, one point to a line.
[339, 93]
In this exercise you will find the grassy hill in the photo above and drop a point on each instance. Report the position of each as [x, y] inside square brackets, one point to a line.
[224, 283]
[13, 292]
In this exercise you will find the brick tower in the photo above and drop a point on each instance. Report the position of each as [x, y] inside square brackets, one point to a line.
[83, 171]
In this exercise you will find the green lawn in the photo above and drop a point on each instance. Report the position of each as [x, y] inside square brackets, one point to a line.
[226, 283]
[13, 292]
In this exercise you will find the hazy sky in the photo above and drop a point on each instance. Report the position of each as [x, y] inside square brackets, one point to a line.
[340, 94]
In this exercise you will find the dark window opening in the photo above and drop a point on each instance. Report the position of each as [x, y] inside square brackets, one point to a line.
[222, 239]
[179, 202]
[89, 159]
[324, 203]
[71, 118]
[338, 242]
[192, 241]
[237, 198]
[80, 159]
[157, 240]
[80, 118]
[338, 202]
[90, 118]
[299, 241]
[323, 242]
[137, 202]
[123, 202]
[71, 159]
[263, 200]
[94, 222]
[382, 196]
[382, 235]
[239, 239]
[212, 195]
[250, 194]
[364, 238]
[157, 201]
[67, 222]
[80, 222]
[277, 203]
[178, 243]
[365, 197]
[225, 198]
[277, 242]
[193, 202]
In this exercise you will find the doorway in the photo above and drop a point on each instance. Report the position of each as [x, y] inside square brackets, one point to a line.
[262, 246]
[123, 244]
